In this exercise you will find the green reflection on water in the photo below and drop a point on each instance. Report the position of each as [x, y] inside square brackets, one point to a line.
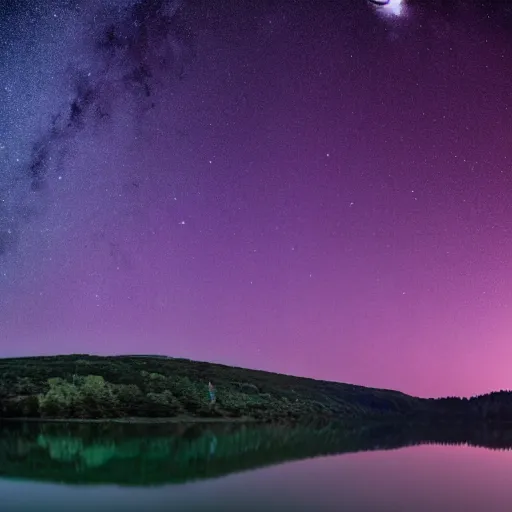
[134, 455]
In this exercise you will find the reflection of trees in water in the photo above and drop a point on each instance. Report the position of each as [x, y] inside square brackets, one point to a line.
[138, 454]
[68, 449]
[149, 454]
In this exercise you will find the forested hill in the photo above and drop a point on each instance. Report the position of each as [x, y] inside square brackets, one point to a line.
[83, 386]
[94, 387]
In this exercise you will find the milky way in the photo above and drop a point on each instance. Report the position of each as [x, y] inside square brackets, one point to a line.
[315, 189]
[121, 50]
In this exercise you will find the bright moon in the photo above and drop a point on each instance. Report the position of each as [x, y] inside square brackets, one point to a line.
[394, 7]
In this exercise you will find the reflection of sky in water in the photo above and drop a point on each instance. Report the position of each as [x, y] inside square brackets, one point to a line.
[421, 479]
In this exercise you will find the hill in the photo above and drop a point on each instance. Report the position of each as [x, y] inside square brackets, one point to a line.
[87, 387]
[93, 387]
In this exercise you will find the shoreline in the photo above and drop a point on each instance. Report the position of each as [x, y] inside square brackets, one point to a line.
[135, 420]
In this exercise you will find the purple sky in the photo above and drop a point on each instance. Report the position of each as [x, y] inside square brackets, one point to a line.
[321, 189]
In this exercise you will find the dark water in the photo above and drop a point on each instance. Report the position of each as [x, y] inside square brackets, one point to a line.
[253, 467]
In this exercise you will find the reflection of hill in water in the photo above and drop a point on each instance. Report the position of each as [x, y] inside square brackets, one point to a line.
[151, 455]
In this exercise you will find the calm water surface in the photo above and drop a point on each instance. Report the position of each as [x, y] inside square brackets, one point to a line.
[235, 467]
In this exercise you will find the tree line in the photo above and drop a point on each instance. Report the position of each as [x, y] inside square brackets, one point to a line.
[90, 387]
[93, 387]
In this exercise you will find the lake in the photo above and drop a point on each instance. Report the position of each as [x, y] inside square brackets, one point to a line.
[233, 467]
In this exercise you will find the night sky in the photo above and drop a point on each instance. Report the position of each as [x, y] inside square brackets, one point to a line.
[316, 188]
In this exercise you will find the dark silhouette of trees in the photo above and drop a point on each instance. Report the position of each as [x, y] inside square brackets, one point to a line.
[92, 387]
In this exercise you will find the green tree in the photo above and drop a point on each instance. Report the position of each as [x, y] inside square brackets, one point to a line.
[96, 398]
[60, 400]
[25, 386]
[158, 383]
[129, 398]
[192, 396]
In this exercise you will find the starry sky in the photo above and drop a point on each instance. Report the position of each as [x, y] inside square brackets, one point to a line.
[320, 189]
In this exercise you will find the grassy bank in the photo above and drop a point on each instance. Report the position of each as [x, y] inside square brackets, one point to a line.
[134, 420]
